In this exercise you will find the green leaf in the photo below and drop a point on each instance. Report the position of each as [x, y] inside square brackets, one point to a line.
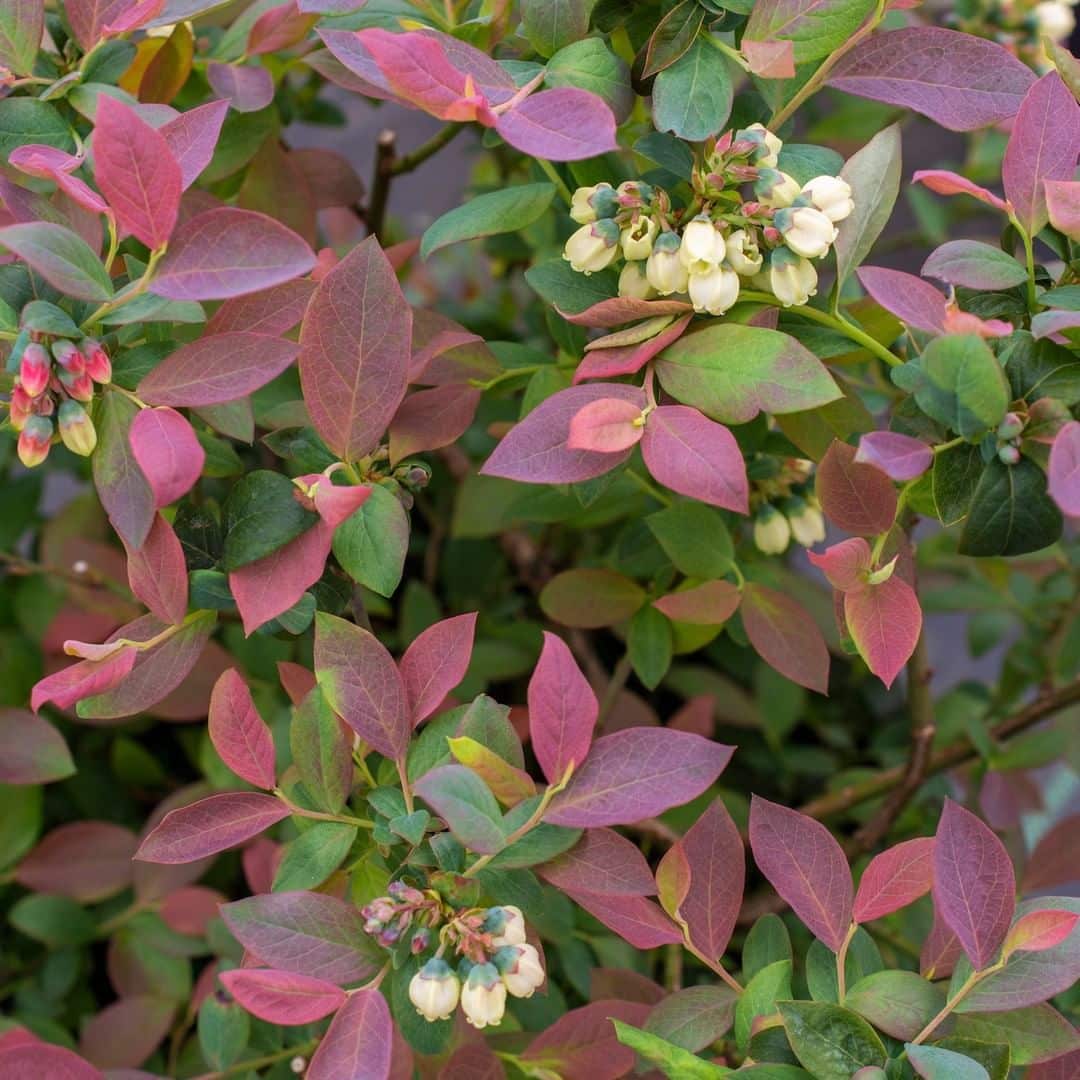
[56, 921]
[314, 855]
[590, 598]
[21, 25]
[804, 161]
[1032, 1034]
[668, 152]
[692, 98]
[467, 806]
[1011, 512]
[862, 959]
[955, 477]
[224, 1028]
[262, 514]
[538, 845]
[560, 285]
[503, 211]
[814, 28]
[767, 943]
[674, 34]
[933, 1063]
[992, 1056]
[673, 1061]
[590, 65]
[372, 542]
[1038, 369]
[900, 1003]
[695, 538]
[831, 1042]
[45, 318]
[25, 120]
[61, 257]
[649, 645]
[321, 751]
[770, 985]
[733, 372]
[552, 24]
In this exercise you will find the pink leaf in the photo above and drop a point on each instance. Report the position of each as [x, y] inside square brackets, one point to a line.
[169, 454]
[940, 951]
[565, 124]
[32, 751]
[359, 1043]
[362, 684]
[1038, 931]
[974, 884]
[709, 604]
[364, 75]
[211, 825]
[623, 309]
[436, 662]
[627, 359]
[239, 735]
[36, 1060]
[136, 172]
[124, 1034]
[246, 87]
[695, 456]
[157, 573]
[581, 1044]
[636, 919]
[884, 622]
[606, 425]
[336, 502]
[1043, 145]
[805, 865]
[88, 18]
[83, 679]
[945, 182]
[603, 862]
[857, 498]
[845, 564]
[785, 637]
[278, 29]
[638, 773]
[900, 457]
[88, 861]
[137, 15]
[770, 59]
[1049, 323]
[430, 419]
[1064, 469]
[536, 451]
[217, 368]
[272, 311]
[192, 138]
[354, 351]
[895, 878]
[229, 252]
[1063, 206]
[283, 997]
[913, 301]
[562, 710]
[190, 910]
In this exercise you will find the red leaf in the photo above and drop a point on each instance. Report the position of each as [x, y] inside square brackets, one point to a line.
[606, 425]
[974, 884]
[624, 309]
[562, 710]
[296, 681]
[136, 172]
[358, 1045]
[1040, 930]
[695, 456]
[805, 865]
[283, 997]
[430, 419]
[190, 910]
[785, 637]
[157, 573]
[354, 351]
[83, 679]
[895, 878]
[885, 622]
[857, 498]
[88, 861]
[192, 137]
[1063, 206]
[581, 1044]
[1056, 859]
[169, 454]
[1066, 1067]
[35, 1060]
[272, 311]
[949, 183]
[436, 662]
[845, 564]
[602, 862]
[940, 951]
[635, 919]
[609, 363]
[335, 502]
[565, 124]
[710, 604]
[239, 735]
[770, 59]
[88, 18]
[124, 1034]
[1064, 469]
[279, 28]
[900, 457]
[211, 825]
[913, 301]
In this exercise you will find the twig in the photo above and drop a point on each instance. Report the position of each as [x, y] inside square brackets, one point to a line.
[415, 158]
[385, 160]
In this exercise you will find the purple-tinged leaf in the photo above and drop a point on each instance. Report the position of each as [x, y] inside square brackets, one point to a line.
[359, 1043]
[618, 310]
[565, 124]
[88, 18]
[335, 502]
[1049, 323]
[238, 732]
[273, 311]
[974, 265]
[602, 862]
[769, 59]
[124, 491]
[944, 182]
[279, 28]
[21, 26]
[536, 452]
[60, 256]
[636, 919]
[960, 81]
[125, 1033]
[362, 684]
[588, 598]
[211, 825]
[855, 497]
[355, 345]
[619, 360]
[582, 1045]
[974, 884]
[785, 636]
[136, 172]
[709, 604]
[246, 87]
[364, 75]
[304, 932]
[283, 997]
[82, 679]
[638, 773]
[940, 951]
[167, 451]
[562, 710]
[900, 457]
[806, 866]
[1043, 145]
[32, 751]
[157, 573]
[472, 1061]
[607, 425]
[884, 622]
[845, 564]
[1055, 861]
[1063, 206]
[137, 15]
[87, 861]
[192, 138]
[1066, 1067]
[1040, 930]
[431, 419]
[915, 302]
[217, 368]
[37, 1059]
[228, 252]
[693, 455]
[895, 878]
[466, 804]
[436, 662]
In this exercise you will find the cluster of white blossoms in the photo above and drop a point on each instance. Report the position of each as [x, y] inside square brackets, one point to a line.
[707, 250]
[496, 961]
[786, 508]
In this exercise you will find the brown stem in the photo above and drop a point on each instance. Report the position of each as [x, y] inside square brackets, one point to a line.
[385, 157]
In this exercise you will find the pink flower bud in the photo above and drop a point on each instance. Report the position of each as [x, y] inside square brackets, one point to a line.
[35, 367]
[20, 408]
[34, 440]
[69, 357]
[98, 364]
[79, 385]
[77, 429]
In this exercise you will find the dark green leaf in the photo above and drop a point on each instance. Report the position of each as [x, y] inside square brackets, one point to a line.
[496, 212]
[692, 98]
[649, 645]
[372, 542]
[313, 856]
[590, 65]
[956, 475]
[831, 1042]
[262, 514]
[1011, 512]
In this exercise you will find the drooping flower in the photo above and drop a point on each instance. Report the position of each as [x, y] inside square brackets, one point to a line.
[593, 247]
[634, 282]
[34, 441]
[715, 290]
[637, 239]
[590, 203]
[521, 969]
[98, 365]
[483, 998]
[702, 245]
[831, 195]
[434, 990]
[805, 230]
[772, 533]
[506, 925]
[806, 521]
[664, 269]
[769, 146]
[776, 189]
[792, 279]
[743, 254]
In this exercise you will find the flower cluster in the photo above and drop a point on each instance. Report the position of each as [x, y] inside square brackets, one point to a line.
[493, 958]
[786, 507]
[51, 389]
[749, 221]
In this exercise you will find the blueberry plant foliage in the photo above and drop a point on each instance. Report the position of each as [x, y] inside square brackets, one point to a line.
[498, 650]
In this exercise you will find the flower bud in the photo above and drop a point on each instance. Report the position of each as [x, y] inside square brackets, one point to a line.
[768, 145]
[520, 968]
[35, 367]
[590, 203]
[1011, 427]
[772, 533]
[806, 522]
[34, 440]
[805, 230]
[77, 429]
[69, 357]
[637, 239]
[80, 386]
[665, 269]
[702, 245]
[98, 364]
[506, 925]
[715, 290]
[593, 247]
[20, 408]
[830, 195]
[635, 193]
[742, 253]
[434, 990]
[792, 279]
[421, 941]
[633, 282]
[1054, 19]
[483, 998]
[1007, 454]
[775, 188]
